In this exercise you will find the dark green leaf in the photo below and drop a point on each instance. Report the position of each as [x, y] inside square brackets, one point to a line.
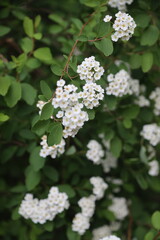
[55, 135]
[29, 93]
[105, 46]
[35, 160]
[46, 90]
[47, 111]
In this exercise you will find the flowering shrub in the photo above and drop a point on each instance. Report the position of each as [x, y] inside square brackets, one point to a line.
[79, 118]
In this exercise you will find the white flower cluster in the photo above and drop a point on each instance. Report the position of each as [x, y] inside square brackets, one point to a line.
[151, 132]
[112, 237]
[95, 152]
[40, 105]
[67, 99]
[99, 187]
[119, 207]
[124, 26]
[105, 230]
[39, 211]
[92, 93]
[155, 96]
[121, 84]
[54, 150]
[142, 101]
[81, 221]
[107, 18]
[120, 4]
[153, 168]
[109, 162]
[90, 70]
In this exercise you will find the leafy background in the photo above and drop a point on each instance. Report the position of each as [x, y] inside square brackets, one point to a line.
[35, 39]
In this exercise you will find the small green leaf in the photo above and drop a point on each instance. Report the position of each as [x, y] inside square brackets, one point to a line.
[29, 93]
[141, 181]
[71, 235]
[35, 160]
[37, 21]
[4, 30]
[28, 26]
[147, 61]
[71, 151]
[46, 90]
[156, 220]
[57, 70]
[135, 61]
[3, 117]
[40, 127]
[143, 155]
[51, 173]
[26, 44]
[47, 111]
[111, 102]
[43, 54]
[116, 146]
[131, 112]
[102, 29]
[32, 179]
[142, 20]
[5, 82]
[13, 94]
[48, 226]
[37, 36]
[105, 46]
[55, 135]
[150, 36]
[149, 236]
[91, 114]
[82, 38]
[67, 189]
[127, 123]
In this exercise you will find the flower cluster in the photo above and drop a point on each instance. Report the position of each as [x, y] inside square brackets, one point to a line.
[151, 132]
[99, 187]
[81, 221]
[112, 237]
[109, 162]
[124, 26]
[39, 211]
[95, 152]
[107, 18]
[67, 100]
[155, 96]
[54, 150]
[119, 207]
[105, 230]
[142, 101]
[92, 93]
[121, 84]
[120, 4]
[90, 70]
[153, 168]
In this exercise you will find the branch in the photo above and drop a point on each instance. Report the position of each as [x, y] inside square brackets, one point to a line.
[156, 237]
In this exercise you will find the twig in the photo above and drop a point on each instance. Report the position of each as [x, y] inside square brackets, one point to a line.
[156, 237]
[129, 233]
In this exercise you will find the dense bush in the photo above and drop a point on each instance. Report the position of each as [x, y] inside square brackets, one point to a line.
[105, 170]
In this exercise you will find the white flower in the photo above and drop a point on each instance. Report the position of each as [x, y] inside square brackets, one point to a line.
[60, 83]
[120, 4]
[151, 132]
[112, 237]
[95, 152]
[87, 205]
[107, 18]
[80, 223]
[153, 168]
[155, 96]
[99, 186]
[39, 211]
[90, 70]
[124, 26]
[119, 207]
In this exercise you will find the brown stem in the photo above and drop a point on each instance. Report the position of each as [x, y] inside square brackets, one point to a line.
[98, 39]
[156, 237]
[129, 233]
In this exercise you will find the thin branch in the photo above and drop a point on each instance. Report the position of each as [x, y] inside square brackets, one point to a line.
[156, 237]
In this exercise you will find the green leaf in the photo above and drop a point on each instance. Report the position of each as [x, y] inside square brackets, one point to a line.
[155, 219]
[102, 29]
[127, 123]
[3, 117]
[15, 214]
[143, 155]
[131, 112]
[29, 93]
[135, 61]
[49, 226]
[150, 36]
[149, 236]
[116, 146]
[67, 189]
[71, 151]
[55, 135]
[32, 179]
[40, 127]
[37, 36]
[51, 173]
[111, 102]
[58, 19]
[46, 90]
[57, 70]
[13, 94]
[5, 82]
[82, 38]
[142, 20]
[147, 61]
[71, 235]
[35, 160]
[105, 46]
[26, 44]
[37, 21]
[28, 26]
[91, 114]
[141, 181]
[47, 111]
[43, 54]
[90, 3]
[4, 30]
